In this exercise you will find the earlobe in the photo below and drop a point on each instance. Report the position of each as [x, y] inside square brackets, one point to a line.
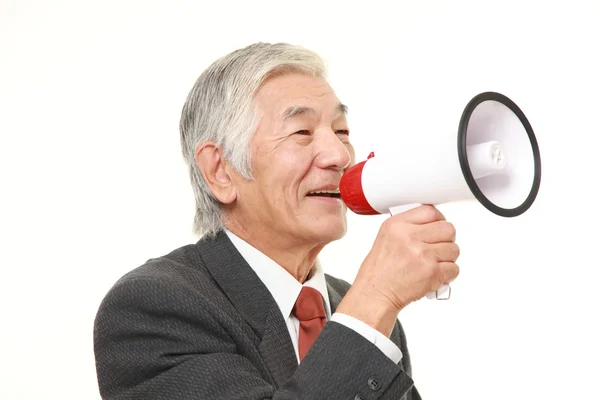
[209, 159]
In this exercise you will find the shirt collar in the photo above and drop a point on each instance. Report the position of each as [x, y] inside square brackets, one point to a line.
[284, 288]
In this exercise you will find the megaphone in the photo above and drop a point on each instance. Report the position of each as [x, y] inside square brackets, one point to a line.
[495, 160]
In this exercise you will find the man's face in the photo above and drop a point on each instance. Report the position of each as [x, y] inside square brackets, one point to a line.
[301, 146]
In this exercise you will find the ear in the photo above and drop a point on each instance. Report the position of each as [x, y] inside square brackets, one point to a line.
[214, 169]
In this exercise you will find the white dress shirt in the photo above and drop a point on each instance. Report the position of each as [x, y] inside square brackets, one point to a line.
[285, 289]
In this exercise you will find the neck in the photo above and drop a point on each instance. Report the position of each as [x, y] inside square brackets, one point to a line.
[297, 258]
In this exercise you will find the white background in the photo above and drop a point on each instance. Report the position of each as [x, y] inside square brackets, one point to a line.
[93, 183]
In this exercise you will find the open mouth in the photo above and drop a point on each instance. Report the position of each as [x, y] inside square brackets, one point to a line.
[325, 193]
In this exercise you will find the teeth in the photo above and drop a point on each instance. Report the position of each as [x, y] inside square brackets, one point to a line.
[327, 191]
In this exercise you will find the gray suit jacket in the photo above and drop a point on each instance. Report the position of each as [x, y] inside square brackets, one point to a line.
[199, 324]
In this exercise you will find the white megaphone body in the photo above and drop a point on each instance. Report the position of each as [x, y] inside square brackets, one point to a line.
[495, 160]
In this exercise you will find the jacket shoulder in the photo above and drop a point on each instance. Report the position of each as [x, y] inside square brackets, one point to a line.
[180, 267]
[339, 285]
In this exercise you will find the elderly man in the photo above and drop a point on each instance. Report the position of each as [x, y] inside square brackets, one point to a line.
[247, 312]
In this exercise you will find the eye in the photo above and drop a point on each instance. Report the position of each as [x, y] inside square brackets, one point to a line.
[302, 132]
[342, 132]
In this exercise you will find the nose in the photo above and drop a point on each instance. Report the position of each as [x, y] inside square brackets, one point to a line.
[331, 152]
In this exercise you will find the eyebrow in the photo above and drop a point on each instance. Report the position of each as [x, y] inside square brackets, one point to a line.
[294, 111]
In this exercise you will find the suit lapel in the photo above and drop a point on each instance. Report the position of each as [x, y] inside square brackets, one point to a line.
[277, 349]
[253, 301]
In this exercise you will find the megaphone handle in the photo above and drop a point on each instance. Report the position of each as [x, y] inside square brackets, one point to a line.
[443, 292]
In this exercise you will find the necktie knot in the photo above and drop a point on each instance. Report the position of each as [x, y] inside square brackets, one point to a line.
[309, 305]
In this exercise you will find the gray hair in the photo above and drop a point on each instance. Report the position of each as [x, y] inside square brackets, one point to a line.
[220, 107]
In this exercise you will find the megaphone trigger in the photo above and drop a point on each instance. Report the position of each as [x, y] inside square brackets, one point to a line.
[443, 293]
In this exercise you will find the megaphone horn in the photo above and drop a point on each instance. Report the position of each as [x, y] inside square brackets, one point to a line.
[496, 161]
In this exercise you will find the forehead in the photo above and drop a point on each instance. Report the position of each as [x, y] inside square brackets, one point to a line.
[280, 92]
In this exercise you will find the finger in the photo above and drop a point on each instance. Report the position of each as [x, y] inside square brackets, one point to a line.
[444, 251]
[437, 232]
[423, 214]
[448, 272]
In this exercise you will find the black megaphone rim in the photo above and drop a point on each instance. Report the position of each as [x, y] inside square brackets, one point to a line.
[464, 162]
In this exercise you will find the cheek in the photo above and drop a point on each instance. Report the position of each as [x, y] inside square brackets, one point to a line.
[298, 164]
[280, 170]
[297, 161]
[289, 171]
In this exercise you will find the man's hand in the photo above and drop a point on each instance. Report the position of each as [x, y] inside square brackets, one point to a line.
[414, 254]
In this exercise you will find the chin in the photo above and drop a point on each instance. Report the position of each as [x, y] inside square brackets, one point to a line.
[329, 231]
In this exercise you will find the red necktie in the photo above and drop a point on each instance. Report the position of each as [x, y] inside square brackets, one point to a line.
[310, 311]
